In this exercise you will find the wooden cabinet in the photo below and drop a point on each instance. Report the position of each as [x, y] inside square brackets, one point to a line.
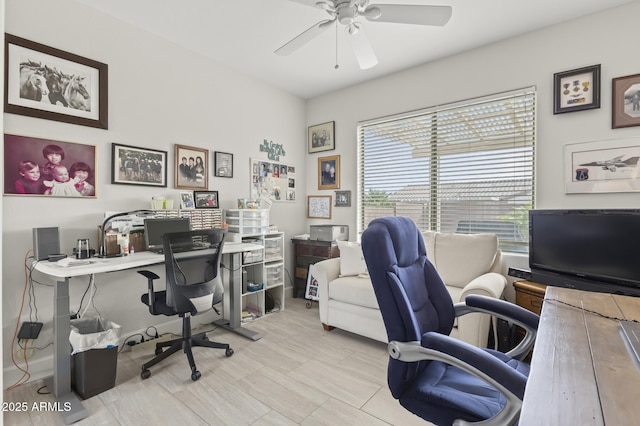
[308, 252]
[530, 295]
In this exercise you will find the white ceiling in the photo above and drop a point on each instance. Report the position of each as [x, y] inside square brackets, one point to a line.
[243, 34]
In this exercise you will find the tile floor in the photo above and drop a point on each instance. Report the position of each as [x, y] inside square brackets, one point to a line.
[296, 374]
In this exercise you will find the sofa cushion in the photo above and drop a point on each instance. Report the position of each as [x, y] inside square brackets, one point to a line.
[353, 290]
[351, 259]
[459, 258]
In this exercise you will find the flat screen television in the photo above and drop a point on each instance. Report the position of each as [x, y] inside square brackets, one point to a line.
[594, 250]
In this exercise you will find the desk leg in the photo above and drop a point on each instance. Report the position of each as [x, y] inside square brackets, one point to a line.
[60, 383]
[235, 300]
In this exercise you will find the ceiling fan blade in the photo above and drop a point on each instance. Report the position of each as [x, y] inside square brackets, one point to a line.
[362, 49]
[311, 3]
[408, 14]
[303, 38]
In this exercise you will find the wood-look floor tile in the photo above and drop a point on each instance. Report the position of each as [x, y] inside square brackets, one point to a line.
[298, 373]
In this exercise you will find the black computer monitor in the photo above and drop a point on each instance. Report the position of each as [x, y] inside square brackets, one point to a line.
[154, 229]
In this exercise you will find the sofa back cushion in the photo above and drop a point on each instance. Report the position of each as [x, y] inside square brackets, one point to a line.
[460, 258]
[351, 259]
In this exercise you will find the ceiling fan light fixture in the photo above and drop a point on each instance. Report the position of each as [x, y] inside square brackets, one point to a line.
[353, 28]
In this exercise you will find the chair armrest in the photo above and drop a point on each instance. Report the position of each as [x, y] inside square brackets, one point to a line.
[475, 361]
[325, 271]
[149, 275]
[152, 299]
[507, 311]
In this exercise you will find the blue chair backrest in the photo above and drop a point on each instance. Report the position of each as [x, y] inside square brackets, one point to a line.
[412, 298]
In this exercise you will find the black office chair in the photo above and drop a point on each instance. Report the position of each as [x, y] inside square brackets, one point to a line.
[194, 285]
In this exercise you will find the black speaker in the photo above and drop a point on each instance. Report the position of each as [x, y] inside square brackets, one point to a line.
[520, 273]
[46, 241]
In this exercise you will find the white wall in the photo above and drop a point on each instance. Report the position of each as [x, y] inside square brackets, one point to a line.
[608, 38]
[159, 95]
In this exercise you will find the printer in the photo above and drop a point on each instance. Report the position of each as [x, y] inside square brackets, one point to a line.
[329, 232]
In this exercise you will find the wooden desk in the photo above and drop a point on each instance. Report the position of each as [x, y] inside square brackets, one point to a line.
[582, 372]
[60, 383]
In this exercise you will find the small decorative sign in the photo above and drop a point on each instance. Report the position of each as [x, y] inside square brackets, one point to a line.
[273, 150]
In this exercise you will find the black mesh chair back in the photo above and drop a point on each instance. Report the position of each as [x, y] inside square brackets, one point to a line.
[193, 285]
[192, 263]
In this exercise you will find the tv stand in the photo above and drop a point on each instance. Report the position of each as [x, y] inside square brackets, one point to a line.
[579, 283]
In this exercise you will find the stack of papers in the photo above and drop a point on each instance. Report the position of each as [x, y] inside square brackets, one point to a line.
[70, 261]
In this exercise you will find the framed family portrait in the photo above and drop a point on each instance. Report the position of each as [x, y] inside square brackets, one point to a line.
[132, 165]
[319, 206]
[321, 137]
[44, 167]
[576, 90]
[191, 167]
[206, 199]
[329, 172]
[626, 101]
[223, 164]
[49, 83]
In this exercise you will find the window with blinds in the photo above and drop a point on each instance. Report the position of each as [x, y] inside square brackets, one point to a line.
[466, 167]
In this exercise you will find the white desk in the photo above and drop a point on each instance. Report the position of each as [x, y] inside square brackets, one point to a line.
[60, 383]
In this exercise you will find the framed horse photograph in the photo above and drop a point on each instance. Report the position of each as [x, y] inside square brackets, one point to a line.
[49, 83]
[131, 165]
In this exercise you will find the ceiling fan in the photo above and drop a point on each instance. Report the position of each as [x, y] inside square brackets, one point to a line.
[347, 12]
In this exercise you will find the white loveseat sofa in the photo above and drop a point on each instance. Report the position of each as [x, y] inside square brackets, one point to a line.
[468, 264]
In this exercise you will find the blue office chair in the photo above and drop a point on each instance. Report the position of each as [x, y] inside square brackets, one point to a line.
[435, 376]
[194, 285]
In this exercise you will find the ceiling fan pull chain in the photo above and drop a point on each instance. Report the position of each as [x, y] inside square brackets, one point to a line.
[337, 66]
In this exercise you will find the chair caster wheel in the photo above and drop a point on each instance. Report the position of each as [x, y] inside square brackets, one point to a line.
[228, 352]
[145, 374]
[195, 375]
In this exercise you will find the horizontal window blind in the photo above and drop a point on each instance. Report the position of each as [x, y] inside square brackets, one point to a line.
[466, 167]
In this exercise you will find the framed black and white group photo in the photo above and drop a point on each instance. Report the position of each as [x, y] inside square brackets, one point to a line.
[131, 165]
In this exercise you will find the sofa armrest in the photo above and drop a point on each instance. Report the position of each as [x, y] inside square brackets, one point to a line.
[490, 284]
[325, 271]
[474, 328]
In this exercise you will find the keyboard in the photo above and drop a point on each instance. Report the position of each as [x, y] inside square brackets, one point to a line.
[181, 248]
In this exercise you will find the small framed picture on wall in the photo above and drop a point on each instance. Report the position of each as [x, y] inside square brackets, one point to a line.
[626, 101]
[319, 206]
[576, 90]
[223, 164]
